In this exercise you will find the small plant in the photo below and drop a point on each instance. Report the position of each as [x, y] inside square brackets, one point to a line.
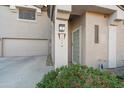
[49, 61]
[77, 76]
[121, 77]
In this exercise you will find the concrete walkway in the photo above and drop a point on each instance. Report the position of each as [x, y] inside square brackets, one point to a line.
[118, 71]
[22, 72]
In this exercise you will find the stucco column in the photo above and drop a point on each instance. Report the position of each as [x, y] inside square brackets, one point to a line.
[61, 35]
[112, 40]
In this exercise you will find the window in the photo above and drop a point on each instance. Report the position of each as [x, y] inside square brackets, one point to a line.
[96, 34]
[27, 14]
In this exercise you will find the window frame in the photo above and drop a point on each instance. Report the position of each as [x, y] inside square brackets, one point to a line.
[26, 20]
[96, 34]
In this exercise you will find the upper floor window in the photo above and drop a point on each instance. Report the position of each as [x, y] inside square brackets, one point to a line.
[27, 14]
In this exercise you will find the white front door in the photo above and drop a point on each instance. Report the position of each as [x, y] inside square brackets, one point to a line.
[112, 47]
[76, 46]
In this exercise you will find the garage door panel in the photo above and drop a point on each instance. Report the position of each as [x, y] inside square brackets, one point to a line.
[17, 47]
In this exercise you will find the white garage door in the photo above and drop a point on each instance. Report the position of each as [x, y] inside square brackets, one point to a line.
[17, 47]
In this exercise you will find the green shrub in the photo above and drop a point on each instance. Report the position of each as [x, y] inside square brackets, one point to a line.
[76, 76]
[120, 77]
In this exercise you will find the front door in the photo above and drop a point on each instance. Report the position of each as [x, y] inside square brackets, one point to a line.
[75, 46]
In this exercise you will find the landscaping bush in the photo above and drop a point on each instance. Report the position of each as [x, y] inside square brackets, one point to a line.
[76, 76]
[120, 77]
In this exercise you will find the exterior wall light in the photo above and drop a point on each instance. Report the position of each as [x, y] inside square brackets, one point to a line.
[61, 27]
[61, 33]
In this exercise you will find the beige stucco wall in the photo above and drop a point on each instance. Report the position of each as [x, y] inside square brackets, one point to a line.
[120, 44]
[91, 53]
[118, 13]
[11, 27]
[61, 46]
[64, 7]
[95, 53]
[61, 38]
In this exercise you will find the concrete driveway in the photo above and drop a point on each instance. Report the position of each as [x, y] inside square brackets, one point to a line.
[22, 72]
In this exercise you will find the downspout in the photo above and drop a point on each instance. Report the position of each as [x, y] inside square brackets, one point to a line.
[1, 39]
[53, 8]
[50, 12]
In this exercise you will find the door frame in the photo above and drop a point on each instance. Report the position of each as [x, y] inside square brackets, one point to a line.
[79, 27]
[112, 47]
